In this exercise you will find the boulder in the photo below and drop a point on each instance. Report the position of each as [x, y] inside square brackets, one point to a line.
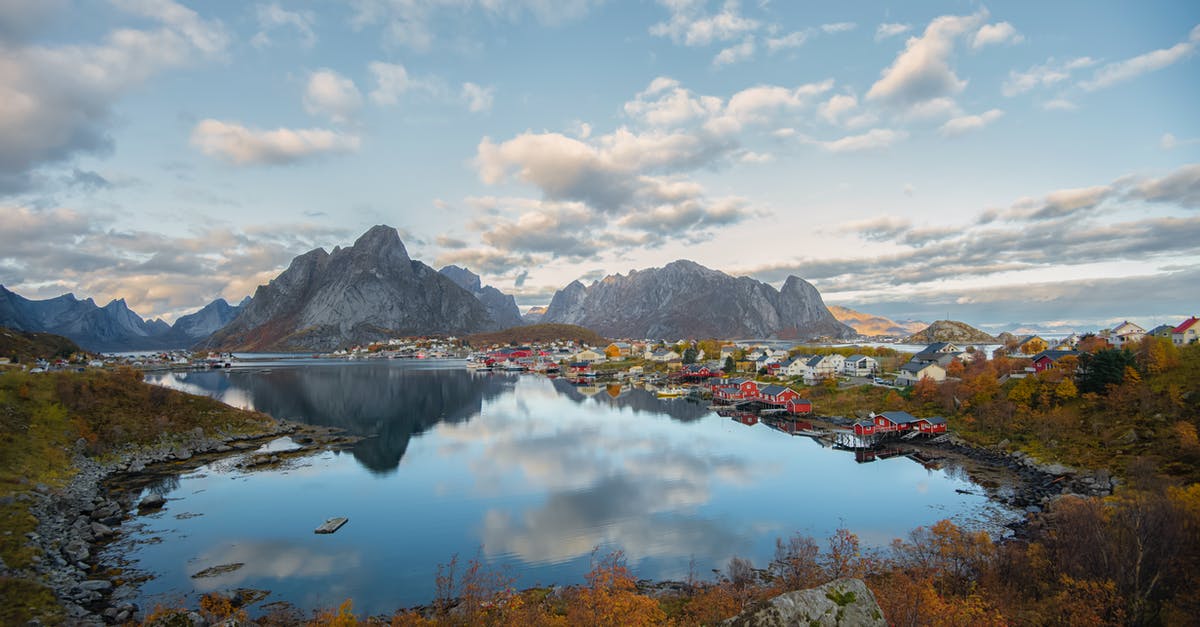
[839, 602]
[152, 501]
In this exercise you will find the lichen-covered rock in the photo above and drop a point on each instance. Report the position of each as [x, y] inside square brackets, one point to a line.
[839, 602]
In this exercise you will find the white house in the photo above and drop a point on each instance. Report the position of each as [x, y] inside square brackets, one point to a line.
[662, 355]
[860, 366]
[588, 355]
[914, 371]
[796, 367]
[1125, 333]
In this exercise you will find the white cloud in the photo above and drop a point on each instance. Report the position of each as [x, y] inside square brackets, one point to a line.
[922, 71]
[407, 23]
[839, 27]
[239, 145]
[273, 16]
[1122, 71]
[1044, 75]
[833, 109]
[874, 139]
[333, 95]
[391, 82]
[886, 30]
[735, 54]
[55, 101]
[478, 99]
[999, 33]
[755, 157]
[790, 40]
[967, 123]
[691, 27]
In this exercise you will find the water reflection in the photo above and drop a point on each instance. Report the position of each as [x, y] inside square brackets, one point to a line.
[270, 560]
[536, 472]
[388, 404]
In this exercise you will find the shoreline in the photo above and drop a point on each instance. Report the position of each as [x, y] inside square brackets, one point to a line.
[77, 522]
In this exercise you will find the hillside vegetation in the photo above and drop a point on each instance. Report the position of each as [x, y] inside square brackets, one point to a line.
[27, 346]
[548, 332]
[950, 331]
[45, 417]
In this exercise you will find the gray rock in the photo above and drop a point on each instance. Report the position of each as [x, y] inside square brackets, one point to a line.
[96, 585]
[839, 602]
[685, 299]
[368, 292]
[101, 531]
[182, 454]
[152, 501]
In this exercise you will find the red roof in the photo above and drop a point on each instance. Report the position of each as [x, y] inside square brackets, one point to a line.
[1187, 324]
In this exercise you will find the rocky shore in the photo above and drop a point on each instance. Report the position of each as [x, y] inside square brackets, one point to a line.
[76, 521]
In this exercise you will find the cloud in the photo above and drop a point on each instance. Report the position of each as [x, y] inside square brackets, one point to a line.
[272, 17]
[967, 123]
[874, 139]
[839, 27]
[239, 145]
[478, 99]
[57, 100]
[689, 26]
[47, 252]
[407, 23]
[1181, 188]
[837, 106]
[887, 30]
[1044, 75]
[999, 33]
[922, 71]
[1121, 71]
[790, 40]
[332, 95]
[1059, 104]
[735, 54]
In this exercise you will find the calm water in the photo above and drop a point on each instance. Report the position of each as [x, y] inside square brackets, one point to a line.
[529, 473]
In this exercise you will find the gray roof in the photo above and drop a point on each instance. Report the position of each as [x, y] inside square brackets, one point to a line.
[936, 420]
[898, 417]
[772, 390]
[856, 357]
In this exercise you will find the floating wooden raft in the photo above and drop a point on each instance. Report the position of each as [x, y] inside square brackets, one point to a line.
[332, 525]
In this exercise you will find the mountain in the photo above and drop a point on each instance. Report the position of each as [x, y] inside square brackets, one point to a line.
[534, 315]
[686, 300]
[113, 327]
[871, 324]
[500, 306]
[208, 320]
[29, 346]
[950, 331]
[368, 292]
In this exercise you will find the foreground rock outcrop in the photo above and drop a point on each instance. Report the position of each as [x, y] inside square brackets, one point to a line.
[686, 300]
[839, 602]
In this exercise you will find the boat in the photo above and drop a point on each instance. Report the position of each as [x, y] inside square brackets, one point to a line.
[671, 392]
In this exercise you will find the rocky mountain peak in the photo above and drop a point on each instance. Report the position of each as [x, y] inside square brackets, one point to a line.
[463, 277]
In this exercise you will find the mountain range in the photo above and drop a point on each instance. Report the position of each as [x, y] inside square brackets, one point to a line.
[687, 300]
[871, 324]
[373, 291]
[113, 327]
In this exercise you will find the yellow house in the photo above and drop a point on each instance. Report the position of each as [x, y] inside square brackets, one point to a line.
[1031, 345]
[617, 350]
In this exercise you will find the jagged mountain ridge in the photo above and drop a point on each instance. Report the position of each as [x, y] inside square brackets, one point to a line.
[368, 292]
[534, 315]
[685, 299]
[111, 328]
[873, 324]
[500, 306]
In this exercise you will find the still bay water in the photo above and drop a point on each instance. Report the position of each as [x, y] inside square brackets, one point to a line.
[530, 474]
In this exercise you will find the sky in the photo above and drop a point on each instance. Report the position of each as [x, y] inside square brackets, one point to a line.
[1005, 164]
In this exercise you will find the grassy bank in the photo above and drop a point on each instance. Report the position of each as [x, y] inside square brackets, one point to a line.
[45, 418]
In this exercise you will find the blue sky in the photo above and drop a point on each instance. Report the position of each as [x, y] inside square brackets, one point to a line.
[1014, 163]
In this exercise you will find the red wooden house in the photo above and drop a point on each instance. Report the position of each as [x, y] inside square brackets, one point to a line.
[799, 406]
[931, 426]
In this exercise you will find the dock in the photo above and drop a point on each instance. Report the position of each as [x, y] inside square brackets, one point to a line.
[331, 525]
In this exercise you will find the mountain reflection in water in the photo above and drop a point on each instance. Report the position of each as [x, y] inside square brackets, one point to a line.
[532, 475]
[387, 402]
